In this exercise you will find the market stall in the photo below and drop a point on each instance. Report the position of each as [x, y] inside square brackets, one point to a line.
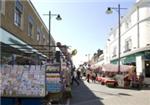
[58, 78]
[54, 82]
[19, 82]
[114, 68]
[111, 71]
[22, 74]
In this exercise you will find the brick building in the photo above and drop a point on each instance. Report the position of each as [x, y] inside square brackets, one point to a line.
[22, 30]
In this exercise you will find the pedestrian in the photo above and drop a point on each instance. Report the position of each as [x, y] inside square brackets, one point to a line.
[141, 80]
[78, 74]
[74, 77]
[93, 77]
[88, 77]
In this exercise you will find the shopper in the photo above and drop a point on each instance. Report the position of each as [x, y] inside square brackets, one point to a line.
[93, 77]
[74, 77]
[78, 74]
[88, 77]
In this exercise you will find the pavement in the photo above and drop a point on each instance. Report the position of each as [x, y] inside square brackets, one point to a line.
[97, 94]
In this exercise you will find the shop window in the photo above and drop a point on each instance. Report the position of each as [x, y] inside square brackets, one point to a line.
[147, 68]
[18, 13]
[30, 26]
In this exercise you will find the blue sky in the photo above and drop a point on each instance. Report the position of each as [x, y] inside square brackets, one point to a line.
[84, 26]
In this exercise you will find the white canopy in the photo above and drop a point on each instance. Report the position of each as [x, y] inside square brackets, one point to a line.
[114, 68]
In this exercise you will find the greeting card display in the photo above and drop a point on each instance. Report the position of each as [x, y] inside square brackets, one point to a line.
[22, 81]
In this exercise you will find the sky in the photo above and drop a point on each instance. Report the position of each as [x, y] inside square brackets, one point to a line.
[85, 26]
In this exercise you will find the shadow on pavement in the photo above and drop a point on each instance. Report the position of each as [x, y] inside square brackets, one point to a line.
[124, 94]
[134, 89]
[82, 95]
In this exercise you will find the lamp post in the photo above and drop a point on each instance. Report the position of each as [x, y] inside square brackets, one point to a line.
[58, 17]
[109, 11]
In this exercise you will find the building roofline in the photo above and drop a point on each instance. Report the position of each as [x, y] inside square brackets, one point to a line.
[130, 11]
[36, 12]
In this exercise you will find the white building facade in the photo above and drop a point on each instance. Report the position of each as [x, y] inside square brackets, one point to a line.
[134, 39]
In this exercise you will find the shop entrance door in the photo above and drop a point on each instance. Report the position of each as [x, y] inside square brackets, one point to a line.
[147, 69]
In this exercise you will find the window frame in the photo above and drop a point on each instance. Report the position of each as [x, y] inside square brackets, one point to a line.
[128, 45]
[18, 12]
[30, 23]
[17, 18]
[2, 7]
[114, 53]
[38, 35]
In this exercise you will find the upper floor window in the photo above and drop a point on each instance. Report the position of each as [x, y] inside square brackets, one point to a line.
[30, 26]
[114, 52]
[0, 5]
[44, 39]
[114, 34]
[128, 22]
[47, 42]
[128, 44]
[38, 34]
[18, 13]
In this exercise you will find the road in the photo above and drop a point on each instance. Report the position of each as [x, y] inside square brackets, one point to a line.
[97, 94]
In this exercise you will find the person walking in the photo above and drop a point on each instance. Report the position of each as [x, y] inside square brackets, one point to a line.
[88, 77]
[78, 75]
[74, 78]
[93, 77]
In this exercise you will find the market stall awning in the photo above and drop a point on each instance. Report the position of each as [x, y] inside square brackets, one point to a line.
[14, 42]
[114, 68]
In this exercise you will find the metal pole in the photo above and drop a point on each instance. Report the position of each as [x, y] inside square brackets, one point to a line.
[119, 38]
[49, 32]
[138, 28]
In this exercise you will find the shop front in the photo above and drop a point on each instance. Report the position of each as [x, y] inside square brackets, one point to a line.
[139, 59]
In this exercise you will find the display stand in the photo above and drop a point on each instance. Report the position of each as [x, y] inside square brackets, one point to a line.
[30, 59]
[14, 94]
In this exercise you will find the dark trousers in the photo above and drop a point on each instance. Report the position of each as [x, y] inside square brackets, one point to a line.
[74, 79]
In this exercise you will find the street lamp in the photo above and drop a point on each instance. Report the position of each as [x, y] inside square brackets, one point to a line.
[58, 17]
[109, 11]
